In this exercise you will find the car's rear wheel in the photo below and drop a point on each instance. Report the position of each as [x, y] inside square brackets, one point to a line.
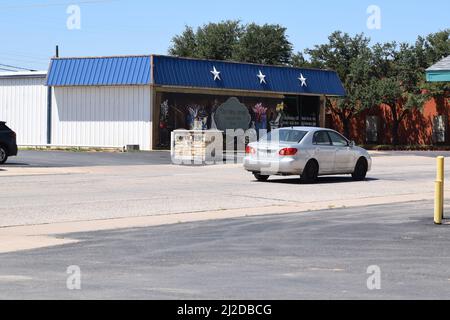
[310, 173]
[261, 177]
[3, 155]
[360, 172]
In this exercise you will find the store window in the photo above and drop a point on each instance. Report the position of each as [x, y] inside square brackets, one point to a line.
[291, 114]
[221, 112]
[309, 110]
[204, 112]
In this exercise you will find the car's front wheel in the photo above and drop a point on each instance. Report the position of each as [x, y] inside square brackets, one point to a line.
[3, 155]
[310, 173]
[360, 172]
[260, 177]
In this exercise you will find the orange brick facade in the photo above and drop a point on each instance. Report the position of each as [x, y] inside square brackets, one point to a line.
[415, 129]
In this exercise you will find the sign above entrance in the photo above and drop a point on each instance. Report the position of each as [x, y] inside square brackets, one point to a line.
[232, 115]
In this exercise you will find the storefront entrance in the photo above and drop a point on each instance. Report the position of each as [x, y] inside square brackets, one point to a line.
[205, 111]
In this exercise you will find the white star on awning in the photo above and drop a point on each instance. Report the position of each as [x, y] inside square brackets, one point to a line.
[216, 73]
[262, 77]
[303, 80]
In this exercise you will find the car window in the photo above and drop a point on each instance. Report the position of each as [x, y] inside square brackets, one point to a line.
[3, 126]
[293, 136]
[338, 140]
[321, 138]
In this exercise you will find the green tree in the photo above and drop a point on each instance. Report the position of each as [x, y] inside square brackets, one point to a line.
[230, 40]
[218, 40]
[399, 81]
[266, 44]
[432, 48]
[298, 60]
[211, 41]
[350, 57]
[184, 45]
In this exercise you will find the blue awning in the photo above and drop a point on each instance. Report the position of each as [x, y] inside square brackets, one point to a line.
[181, 72]
[107, 71]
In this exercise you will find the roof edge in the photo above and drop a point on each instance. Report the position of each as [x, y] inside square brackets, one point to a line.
[246, 63]
[24, 74]
[103, 57]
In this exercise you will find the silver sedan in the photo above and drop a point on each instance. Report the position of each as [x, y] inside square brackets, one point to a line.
[308, 152]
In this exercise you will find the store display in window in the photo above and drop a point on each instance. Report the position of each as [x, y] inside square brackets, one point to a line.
[279, 117]
[232, 115]
[163, 124]
[260, 117]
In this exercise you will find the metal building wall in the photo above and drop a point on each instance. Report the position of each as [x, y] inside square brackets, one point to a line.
[102, 116]
[23, 105]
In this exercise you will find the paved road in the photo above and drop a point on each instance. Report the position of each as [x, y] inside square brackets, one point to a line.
[318, 255]
[123, 190]
[59, 159]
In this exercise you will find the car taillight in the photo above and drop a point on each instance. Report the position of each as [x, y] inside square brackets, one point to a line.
[13, 134]
[288, 152]
[250, 150]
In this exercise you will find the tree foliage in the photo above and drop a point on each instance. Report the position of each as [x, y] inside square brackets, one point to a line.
[388, 74]
[266, 44]
[230, 40]
[399, 82]
[211, 41]
[400, 77]
[350, 57]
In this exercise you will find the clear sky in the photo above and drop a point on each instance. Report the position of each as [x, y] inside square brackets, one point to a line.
[30, 29]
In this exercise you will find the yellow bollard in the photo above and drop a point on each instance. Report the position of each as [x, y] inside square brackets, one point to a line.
[438, 203]
[441, 173]
[439, 190]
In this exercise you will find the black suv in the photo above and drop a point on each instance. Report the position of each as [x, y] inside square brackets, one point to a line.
[8, 145]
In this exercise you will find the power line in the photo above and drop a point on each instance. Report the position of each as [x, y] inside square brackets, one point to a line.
[8, 70]
[14, 67]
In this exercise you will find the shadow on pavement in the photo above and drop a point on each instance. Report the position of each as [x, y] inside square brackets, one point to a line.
[66, 159]
[320, 180]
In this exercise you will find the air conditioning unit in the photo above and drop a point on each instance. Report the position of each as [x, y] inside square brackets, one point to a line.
[132, 148]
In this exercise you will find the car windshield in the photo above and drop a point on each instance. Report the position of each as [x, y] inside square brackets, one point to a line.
[292, 136]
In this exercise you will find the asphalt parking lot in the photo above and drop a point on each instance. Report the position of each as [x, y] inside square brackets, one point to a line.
[139, 227]
[320, 255]
[54, 187]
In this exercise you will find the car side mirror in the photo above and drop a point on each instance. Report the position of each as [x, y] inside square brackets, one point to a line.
[352, 144]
